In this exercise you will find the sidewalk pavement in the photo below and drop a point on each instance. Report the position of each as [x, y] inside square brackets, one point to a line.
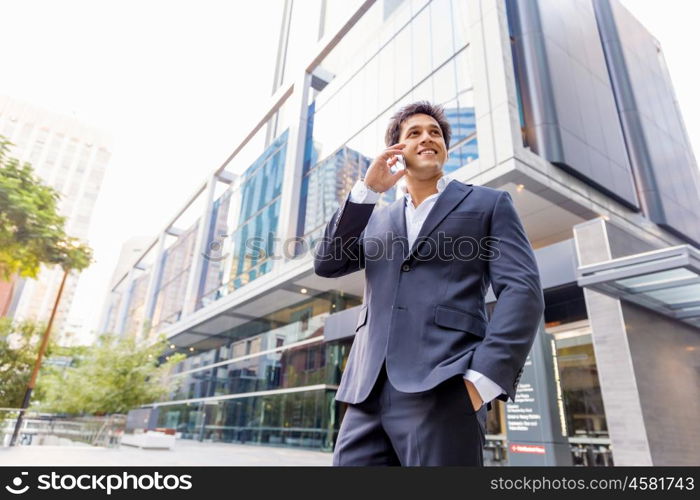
[186, 453]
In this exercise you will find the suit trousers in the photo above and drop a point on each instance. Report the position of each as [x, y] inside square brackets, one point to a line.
[437, 427]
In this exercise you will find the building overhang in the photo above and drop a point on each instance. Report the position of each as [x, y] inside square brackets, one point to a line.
[666, 281]
[291, 283]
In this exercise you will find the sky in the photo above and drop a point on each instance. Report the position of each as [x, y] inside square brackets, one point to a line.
[178, 84]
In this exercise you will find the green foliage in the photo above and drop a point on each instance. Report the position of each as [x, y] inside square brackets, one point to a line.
[19, 342]
[31, 230]
[113, 376]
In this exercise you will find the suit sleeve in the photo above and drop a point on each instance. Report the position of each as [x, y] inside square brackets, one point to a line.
[515, 281]
[340, 251]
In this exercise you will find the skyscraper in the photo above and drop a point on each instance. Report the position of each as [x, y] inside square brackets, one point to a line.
[72, 158]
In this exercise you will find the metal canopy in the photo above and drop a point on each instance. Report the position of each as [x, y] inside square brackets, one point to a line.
[666, 281]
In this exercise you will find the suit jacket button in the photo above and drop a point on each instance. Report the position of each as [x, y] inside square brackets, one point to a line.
[406, 267]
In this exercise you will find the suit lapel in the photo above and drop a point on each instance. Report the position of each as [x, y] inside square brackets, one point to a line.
[397, 211]
[452, 196]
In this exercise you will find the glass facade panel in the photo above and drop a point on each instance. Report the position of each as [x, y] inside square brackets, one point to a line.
[401, 65]
[264, 355]
[303, 35]
[244, 220]
[285, 368]
[336, 13]
[460, 23]
[214, 263]
[442, 42]
[137, 303]
[172, 285]
[281, 328]
[421, 46]
[445, 83]
[656, 279]
[677, 295]
[344, 130]
[578, 374]
[566, 320]
[297, 419]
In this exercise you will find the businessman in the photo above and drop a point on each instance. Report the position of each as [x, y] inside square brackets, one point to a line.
[426, 362]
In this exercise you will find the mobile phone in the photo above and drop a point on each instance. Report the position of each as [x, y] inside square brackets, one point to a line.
[400, 164]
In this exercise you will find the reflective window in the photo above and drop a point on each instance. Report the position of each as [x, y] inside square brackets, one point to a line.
[375, 69]
[297, 419]
[214, 263]
[421, 53]
[566, 320]
[442, 43]
[460, 23]
[303, 35]
[137, 302]
[38, 146]
[336, 13]
[270, 359]
[54, 148]
[445, 83]
[172, 284]
[578, 375]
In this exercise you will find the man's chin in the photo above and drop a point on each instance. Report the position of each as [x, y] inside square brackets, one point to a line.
[426, 167]
[425, 174]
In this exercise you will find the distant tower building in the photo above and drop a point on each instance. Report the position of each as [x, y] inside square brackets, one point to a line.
[131, 250]
[72, 158]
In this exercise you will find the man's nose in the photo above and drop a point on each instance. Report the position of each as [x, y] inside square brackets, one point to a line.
[425, 137]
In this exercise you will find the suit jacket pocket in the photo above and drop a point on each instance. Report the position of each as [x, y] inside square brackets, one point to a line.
[465, 215]
[449, 317]
[362, 318]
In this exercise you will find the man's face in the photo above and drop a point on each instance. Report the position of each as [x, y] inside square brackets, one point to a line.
[425, 151]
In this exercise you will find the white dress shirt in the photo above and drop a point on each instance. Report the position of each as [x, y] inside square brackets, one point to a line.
[415, 216]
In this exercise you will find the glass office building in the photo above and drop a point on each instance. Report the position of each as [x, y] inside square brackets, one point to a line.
[568, 106]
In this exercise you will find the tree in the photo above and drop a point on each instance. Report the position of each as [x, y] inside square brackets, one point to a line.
[18, 348]
[113, 376]
[31, 230]
[32, 233]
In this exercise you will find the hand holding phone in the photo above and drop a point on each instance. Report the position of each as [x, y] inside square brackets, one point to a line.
[400, 164]
[381, 174]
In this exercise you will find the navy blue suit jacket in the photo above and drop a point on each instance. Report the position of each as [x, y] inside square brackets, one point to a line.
[423, 310]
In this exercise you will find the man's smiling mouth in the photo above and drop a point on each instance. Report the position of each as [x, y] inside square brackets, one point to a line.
[427, 152]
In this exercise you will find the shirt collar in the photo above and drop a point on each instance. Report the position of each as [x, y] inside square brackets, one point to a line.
[441, 184]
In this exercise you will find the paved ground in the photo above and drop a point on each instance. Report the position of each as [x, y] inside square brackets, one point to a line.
[186, 453]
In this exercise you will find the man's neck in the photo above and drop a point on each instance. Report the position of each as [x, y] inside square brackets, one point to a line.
[420, 189]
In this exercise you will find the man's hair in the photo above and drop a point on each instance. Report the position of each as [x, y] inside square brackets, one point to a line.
[393, 130]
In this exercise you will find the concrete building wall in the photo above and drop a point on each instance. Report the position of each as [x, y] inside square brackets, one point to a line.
[648, 364]
[666, 359]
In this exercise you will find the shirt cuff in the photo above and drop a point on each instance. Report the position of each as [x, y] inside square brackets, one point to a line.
[487, 388]
[360, 193]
